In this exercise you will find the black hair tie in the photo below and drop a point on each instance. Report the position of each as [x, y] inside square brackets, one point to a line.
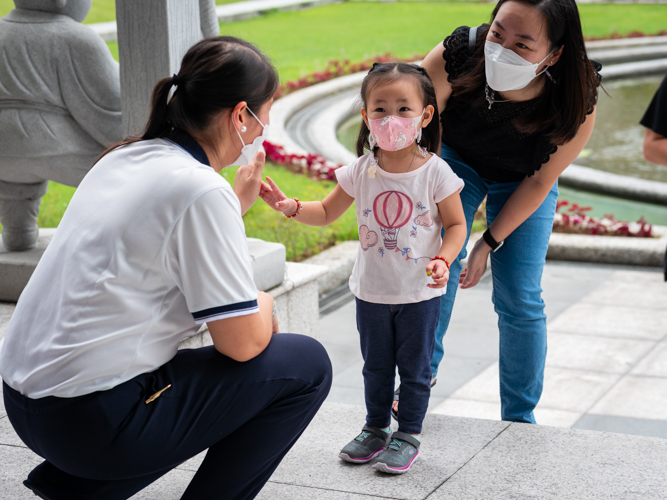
[175, 80]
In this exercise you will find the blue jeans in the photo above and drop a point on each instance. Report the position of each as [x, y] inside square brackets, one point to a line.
[400, 335]
[517, 292]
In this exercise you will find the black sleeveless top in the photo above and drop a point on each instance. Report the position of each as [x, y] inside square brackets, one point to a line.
[487, 139]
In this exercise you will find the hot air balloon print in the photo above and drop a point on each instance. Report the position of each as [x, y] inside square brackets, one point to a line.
[392, 210]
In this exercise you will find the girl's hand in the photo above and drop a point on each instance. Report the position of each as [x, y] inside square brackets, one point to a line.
[476, 264]
[274, 197]
[248, 181]
[439, 273]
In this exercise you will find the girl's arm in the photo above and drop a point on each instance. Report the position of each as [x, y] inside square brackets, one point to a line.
[525, 200]
[454, 223]
[313, 213]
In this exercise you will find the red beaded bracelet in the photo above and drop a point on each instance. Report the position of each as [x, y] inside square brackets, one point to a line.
[298, 209]
[437, 257]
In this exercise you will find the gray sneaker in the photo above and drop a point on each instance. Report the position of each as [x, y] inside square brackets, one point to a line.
[366, 446]
[399, 456]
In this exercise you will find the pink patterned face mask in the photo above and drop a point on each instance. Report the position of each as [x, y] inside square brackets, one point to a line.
[392, 133]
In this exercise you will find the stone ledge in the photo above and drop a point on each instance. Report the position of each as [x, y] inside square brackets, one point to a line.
[339, 262]
[626, 42]
[634, 69]
[268, 264]
[285, 107]
[462, 458]
[610, 249]
[238, 11]
[597, 181]
[616, 55]
[17, 267]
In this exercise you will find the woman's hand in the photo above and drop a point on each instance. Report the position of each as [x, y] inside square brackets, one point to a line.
[476, 264]
[438, 271]
[248, 181]
[274, 197]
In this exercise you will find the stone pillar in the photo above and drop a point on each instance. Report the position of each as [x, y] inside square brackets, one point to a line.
[153, 37]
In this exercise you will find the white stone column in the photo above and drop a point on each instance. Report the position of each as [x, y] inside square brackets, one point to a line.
[153, 37]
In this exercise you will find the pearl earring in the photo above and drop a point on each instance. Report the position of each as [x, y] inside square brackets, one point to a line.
[243, 128]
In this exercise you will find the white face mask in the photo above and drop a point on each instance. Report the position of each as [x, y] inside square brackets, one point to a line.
[507, 70]
[248, 151]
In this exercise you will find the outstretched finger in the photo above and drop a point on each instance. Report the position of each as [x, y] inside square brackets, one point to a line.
[273, 185]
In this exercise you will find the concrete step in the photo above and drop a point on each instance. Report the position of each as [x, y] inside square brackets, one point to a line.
[461, 458]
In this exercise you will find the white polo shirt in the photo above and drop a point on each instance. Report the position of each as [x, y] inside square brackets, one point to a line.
[151, 245]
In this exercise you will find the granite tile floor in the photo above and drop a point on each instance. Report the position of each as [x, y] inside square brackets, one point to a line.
[607, 352]
[606, 371]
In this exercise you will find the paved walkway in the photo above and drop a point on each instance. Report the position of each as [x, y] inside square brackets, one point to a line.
[606, 370]
[607, 354]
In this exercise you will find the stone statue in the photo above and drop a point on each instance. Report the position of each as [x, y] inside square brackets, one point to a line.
[208, 18]
[59, 107]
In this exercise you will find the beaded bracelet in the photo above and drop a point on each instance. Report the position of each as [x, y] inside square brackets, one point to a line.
[437, 257]
[298, 209]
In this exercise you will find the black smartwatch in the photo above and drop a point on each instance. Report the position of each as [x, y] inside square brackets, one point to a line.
[491, 241]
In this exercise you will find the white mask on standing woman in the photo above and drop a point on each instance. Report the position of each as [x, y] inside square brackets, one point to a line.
[507, 70]
[248, 151]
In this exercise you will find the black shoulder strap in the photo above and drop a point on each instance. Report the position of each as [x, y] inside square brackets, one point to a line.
[472, 40]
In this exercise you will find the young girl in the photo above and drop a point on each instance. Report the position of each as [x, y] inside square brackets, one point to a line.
[404, 195]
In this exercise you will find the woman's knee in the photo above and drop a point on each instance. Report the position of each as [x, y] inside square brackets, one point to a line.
[304, 356]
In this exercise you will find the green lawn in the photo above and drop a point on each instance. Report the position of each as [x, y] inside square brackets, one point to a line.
[101, 11]
[260, 221]
[302, 42]
[299, 240]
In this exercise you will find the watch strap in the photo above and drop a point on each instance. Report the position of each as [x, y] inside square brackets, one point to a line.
[490, 240]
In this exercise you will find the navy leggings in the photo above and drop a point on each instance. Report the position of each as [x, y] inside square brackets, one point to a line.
[397, 335]
[111, 444]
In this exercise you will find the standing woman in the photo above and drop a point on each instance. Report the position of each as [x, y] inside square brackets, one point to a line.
[518, 103]
[153, 245]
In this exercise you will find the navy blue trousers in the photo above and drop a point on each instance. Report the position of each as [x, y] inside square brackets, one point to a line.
[397, 335]
[111, 444]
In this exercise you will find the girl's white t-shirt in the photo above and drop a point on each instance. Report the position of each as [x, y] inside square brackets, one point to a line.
[399, 228]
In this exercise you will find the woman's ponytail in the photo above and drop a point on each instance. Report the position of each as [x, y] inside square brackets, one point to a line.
[158, 122]
[216, 74]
